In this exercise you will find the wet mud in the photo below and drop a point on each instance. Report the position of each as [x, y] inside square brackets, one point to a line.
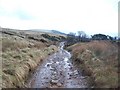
[57, 71]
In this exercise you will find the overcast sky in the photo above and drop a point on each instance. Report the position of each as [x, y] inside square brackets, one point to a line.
[91, 16]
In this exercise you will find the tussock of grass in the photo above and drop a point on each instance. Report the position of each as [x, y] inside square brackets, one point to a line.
[98, 59]
[11, 44]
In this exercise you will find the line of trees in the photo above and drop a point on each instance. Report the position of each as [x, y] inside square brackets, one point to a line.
[83, 37]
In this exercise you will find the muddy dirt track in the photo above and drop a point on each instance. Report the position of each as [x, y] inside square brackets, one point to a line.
[57, 71]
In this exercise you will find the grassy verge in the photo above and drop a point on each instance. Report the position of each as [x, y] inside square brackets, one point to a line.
[99, 60]
[20, 56]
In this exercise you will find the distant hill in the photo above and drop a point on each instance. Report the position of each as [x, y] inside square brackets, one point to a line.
[48, 31]
[38, 30]
[57, 32]
[36, 34]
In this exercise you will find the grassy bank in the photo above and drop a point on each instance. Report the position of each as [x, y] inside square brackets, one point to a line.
[99, 60]
[21, 55]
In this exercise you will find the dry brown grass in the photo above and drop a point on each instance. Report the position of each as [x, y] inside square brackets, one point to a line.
[22, 52]
[99, 59]
[17, 65]
[8, 44]
[20, 56]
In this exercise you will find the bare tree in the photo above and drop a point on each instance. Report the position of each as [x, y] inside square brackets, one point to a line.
[81, 35]
[71, 38]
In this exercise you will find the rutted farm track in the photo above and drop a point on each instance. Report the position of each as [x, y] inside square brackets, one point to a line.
[57, 71]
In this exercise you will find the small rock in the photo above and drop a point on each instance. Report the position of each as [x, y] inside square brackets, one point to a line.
[54, 81]
[75, 72]
[48, 65]
[71, 67]
[57, 62]
[54, 73]
[70, 75]
[52, 68]
[60, 73]
[68, 64]
[59, 84]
